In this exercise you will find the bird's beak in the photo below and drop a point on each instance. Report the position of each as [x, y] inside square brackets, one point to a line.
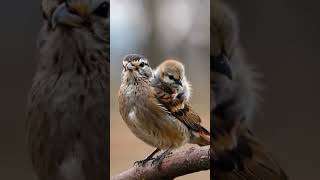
[220, 64]
[128, 66]
[63, 16]
[178, 82]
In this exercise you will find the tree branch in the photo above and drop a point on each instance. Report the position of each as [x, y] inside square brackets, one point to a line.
[178, 163]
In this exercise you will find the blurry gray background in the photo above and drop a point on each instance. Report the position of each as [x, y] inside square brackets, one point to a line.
[19, 24]
[159, 30]
[282, 39]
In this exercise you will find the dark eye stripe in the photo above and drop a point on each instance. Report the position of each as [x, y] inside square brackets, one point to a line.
[142, 64]
[171, 77]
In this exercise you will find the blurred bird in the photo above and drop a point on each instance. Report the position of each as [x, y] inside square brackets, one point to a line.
[67, 112]
[174, 90]
[145, 114]
[234, 99]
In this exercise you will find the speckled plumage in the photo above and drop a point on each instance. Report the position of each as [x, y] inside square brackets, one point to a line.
[146, 117]
[175, 94]
[168, 87]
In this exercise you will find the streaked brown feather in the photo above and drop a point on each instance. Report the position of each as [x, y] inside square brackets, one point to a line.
[184, 113]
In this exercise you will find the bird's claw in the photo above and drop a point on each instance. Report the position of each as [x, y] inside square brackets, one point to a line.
[142, 162]
[157, 161]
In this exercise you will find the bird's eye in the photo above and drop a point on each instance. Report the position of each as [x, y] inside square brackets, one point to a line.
[102, 10]
[142, 64]
[171, 77]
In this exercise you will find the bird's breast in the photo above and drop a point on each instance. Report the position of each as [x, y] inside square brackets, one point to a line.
[149, 122]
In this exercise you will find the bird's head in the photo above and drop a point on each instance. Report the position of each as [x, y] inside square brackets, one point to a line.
[137, 66]
[172, 73]
[79, 13]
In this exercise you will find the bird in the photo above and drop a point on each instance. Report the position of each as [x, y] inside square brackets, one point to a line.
[235, 87]
[67, 114]
[170, 76]
[174, 91]
[144, 113]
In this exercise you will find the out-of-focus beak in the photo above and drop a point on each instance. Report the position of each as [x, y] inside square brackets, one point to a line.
[128, 66]
[63, 16]
[220, 64]
[178, 82]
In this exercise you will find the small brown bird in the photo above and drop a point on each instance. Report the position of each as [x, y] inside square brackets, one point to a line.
[234, 89]
[144, 113]
[170, 76]
[174, 91]
[68, 105]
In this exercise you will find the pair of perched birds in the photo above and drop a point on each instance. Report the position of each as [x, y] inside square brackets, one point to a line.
[155, 106]
[158, 112]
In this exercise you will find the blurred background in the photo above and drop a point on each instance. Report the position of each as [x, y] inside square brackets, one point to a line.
[20, 23]
[281, 38]
[159, 30]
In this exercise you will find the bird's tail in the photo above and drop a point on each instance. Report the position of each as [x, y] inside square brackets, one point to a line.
[200, 138]
[248, 161]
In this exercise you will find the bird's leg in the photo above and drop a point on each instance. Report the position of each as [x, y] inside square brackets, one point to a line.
[150, 157]
[158, 160]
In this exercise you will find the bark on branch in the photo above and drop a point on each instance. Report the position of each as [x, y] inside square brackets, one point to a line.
[178, 163]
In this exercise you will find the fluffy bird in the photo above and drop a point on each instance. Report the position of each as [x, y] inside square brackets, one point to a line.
[146, 115]
[174, 91]
[67, 112]
[170, 76]
[234, 90]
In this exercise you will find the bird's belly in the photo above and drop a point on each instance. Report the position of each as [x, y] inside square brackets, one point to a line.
[159, 133]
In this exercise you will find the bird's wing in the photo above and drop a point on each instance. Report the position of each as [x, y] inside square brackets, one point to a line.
[249, 161]
[184, 112]
[181, 110]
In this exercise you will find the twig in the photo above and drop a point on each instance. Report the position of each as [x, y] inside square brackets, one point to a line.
[178, 163]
